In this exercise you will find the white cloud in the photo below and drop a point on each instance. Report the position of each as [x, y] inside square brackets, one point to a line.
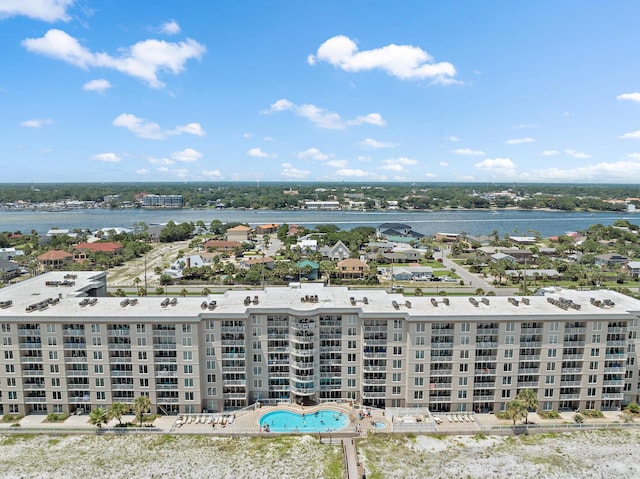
[576, 154]
[550, 152]
[405, 62]
[180, 172]
[634, 135]
[323, 118]
[152, 131]
[443, 163]
[525, 125]
[215, 174]
[170, 28]
[246, 135]
[517, 141]
[163, 169]
[289, 171]
[37, 123]
[452, 139]
[468, 152]
[107, 157]
[258, 153]
[496, 164]
[97, 85]
[160, 161]
[397, 164]
[142, 171]
[371, 143]
[45, 10]
[312, 154]
[430, 175]
[629, 96]
[188, 155]
[364, 158]
[143, 60]
[268, 138]
[353, 173]
[337, 163]
[633, 156]
[614, 172]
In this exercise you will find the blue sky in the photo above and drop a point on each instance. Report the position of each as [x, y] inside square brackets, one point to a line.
[148, 90]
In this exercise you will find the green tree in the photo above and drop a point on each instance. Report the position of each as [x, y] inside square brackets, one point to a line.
[141, 405]
[530, 399]
[116, 411]
[515, 410]
[98, 417]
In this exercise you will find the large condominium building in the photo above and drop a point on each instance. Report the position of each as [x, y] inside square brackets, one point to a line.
[66, 346]
[162, 201]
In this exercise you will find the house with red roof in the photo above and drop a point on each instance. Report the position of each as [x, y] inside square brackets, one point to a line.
[55, 259]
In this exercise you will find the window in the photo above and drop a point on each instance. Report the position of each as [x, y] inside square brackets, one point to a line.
[396, 390]
[462, 394]
[6, 341]
[256, 319]
[257, 383]
[142, 355]
[396, 377]
[420, 354]
[551, 366]
[11, 382]
[210, 324]
[257, 358]
[464, 368]
[210, 351]
[257, 370]
[12, 395]
[97, 368]
[548, 393]
[55, 382]
[397, 324]
[510, 326]
[418, 395]
[552, 353]
[97, 355]
[211, 365]
[351, 370]
[188, 382]
[506, 381]
[351, 357]
[464, 339]
[56, 395]
[595, 338]
[211, 391]
[591, 392]
[6, 328]
[144, 382]
[211, 378]
[508, 353]
[187, 368]
[54, 368]
[420, 328]
[397, 337]
[189, 396]
[97, 341]
[509, 339]
[143, 368]
[553, 339]
[351, 331]
[351, 344]
[140, 328]
[418, 382]
[209, 337]
[593, 365]
[8, 354]
[595, 352]
[52, 341]
[186, 329]
[397, 350]
[507, 367]
[420, 341]
[99, 382]
[418, 368]
[10, 368]
[463, 381]
[51, 328]
[255, 332]
[53, 355]
[187, 355]
[465, 327]
[593, 378]
[186, 342]
[506, 393]
[351, 383]
[553, 326]
[550, 380]
[95, 328]
[256, 345]
[397, 364]
[597, 326]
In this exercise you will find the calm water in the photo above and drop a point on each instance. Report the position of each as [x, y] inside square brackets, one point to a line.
[321, 421]
[473, 223]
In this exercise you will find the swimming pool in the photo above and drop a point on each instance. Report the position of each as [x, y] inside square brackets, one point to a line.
[320, 421]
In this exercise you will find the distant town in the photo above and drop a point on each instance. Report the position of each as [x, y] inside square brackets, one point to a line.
[619, 198]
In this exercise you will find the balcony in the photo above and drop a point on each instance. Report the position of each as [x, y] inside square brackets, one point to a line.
[570, 370]
[615, 369]
[535, 357]
[439, 386]
[569, 397]
[121, 374]
[570, 384]
[483, 398]
[30, 359]
[34, 386]
[375, 369]
[120, 347]
[118, 332]
[73, 332]
[374, 395]
[573, 330]
[573, 357]
[373, 382]
[441, 372]
[614, 396]
[232, 329]
[77, 359]
[234, 382]
[301, 391]
[614, 330]
[442, 399]
[302, 339]
[372, 355]
[484, 372]
[302, 365]
[29, 332]
[442, 345]
[615, 356]
[303, 352]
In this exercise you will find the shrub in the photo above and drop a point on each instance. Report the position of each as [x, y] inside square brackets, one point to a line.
[592, 413]
[549, 414]
[12, 418]
[57, 417]
[578, 418]
[633, 408]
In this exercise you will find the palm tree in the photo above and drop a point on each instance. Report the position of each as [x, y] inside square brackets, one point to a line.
[98, 417]
[206, 292]
[515, 410]
[116, 411]
[184, 292]
[418, 291]
[530, 400]
[141, 405]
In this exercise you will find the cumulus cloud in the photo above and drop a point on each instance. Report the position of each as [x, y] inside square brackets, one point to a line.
[633, 135]
[100, 85]
[312, 154]
[337, 163]
[289, 171]
[576, 154]
[188, 155]
[323, 118]
[633, 156]
[405, 62]
[170, 28]
[152, 131]
[452, 139]
[37, 123]
[496, 164]
[443, 163]
[517, 141]
[246, 135]
[45, 10]
[213, 174]
[364, 158]
[107, 157]
[550, 152]
[142, 171]
[398, 164]
[258, 153]
[629, 96]
[467, 152]
[160, 161]
[352, 173]
[371, 143]
[613, 172]
[143, 60]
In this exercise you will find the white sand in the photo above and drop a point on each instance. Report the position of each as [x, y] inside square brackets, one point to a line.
[595, 454]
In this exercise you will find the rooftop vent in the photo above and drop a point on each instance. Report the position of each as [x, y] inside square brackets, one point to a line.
[365, 300]
[446, 301]
[407, 303]
[352, 300]
[165, 302]
[212, 305]
[247, 301]
[124, 302]
[395, 304]
[173, 301]
[514, 301]
[486, 301]
[474, 301]
[434, 301]
[255, 300]
[525, 301]
[6, 304]
[133, 301]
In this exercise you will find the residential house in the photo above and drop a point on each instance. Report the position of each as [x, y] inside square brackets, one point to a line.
[447, 237]
[610, 259]
[633, 268]
[502, 256]
[267, 261]
[267, 229]
[54, 259]
[238, 233]
[307, 245]
[522, 239]
[412, 273]
[8, 254]
[222, 246]
[337, 252]
[312, 267]
[8, 269]
[351, 268]
[397, 232]
[178, 266]
[82, 250]
[532, 274]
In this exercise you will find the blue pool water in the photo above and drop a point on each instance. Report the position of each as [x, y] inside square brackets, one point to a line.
[320, 421]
